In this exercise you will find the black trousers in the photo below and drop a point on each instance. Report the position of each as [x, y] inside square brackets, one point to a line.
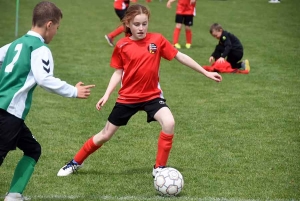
[234, 57]
[14, 133]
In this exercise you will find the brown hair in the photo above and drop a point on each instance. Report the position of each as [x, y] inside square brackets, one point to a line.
[216, 27]
[131, 12]
[45, 11]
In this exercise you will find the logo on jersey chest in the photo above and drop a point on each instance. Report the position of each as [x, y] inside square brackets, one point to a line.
[152, 48]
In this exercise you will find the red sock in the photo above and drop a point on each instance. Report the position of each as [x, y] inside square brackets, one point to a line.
[164, 146]
[188, 36]
[116, 32]
[176, 35]
[87, 149]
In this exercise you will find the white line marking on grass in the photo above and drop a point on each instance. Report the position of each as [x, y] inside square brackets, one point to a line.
[137, 198]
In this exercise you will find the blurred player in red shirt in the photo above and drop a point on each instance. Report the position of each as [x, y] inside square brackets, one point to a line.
[136, 60]
[135, 1]
[120, 7]
[185, 12]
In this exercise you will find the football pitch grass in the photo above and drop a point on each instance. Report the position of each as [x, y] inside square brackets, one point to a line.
[234, 141]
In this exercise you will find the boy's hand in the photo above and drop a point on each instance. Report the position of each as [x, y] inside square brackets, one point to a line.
[83, 91]
[220, 60]
[211, 59]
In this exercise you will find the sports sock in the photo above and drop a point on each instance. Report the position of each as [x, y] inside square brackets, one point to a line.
[176, 35]
[22, 174]
[164, 146]
[116, 32]
[188, 36]
[87, 149]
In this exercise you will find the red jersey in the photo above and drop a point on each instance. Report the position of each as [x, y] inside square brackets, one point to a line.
[184, 7]
[140, 61]
[121, 4]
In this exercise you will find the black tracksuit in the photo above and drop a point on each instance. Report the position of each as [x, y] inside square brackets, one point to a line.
[229, 46]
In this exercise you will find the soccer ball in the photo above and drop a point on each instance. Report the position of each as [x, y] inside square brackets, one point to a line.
[168, 182]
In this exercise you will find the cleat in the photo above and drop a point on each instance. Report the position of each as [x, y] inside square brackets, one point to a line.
[177, 46]
[243, 66]
[109, 40]
[14, 197]
[156, 170]
[188, 45]
[70, 168]
[247, 65]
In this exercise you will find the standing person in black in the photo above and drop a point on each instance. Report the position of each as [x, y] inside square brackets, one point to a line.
[229, 48]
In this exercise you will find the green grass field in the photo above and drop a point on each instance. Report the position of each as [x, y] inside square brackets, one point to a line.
[235, 140]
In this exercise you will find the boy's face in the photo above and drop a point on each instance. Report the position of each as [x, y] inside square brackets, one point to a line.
[217, 34]
[138, 26]
[51, 30]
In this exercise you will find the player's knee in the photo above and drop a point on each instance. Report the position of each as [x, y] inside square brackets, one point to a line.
[35, 152]
[169, 126]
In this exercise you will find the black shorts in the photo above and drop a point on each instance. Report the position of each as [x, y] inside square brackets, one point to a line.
[14, 133]
[184, 19]
[121, 113]
[120, 13]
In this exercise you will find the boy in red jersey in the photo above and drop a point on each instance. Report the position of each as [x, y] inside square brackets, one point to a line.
[185, 12]
[136, 60]
[120, 9]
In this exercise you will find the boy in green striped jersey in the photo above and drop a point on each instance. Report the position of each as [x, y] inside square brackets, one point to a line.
[26, 63]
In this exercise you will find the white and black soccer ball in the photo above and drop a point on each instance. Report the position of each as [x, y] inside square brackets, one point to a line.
[168, 182]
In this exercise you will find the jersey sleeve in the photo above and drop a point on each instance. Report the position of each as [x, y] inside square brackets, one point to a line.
[225, 39]
[167, 50]
[42, 67]
[116, 59]
[3, 51]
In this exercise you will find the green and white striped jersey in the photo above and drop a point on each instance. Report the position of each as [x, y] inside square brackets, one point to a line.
[26, 63]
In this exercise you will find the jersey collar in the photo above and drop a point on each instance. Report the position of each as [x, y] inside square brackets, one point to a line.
[32, 33]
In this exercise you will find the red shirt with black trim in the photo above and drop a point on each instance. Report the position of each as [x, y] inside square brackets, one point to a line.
[184, 7]
[140, 62]
[121, 4]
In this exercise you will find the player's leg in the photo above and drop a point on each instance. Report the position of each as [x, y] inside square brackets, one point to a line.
[88, 148]
[176, 33]
[234, 58]
[165, 140]
[25, 167]
[158, 110]
[188, 22]
[95, 142]
[120, 29]
[9, 127]
[119, 116]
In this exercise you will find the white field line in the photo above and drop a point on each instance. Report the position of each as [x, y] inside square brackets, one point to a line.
[139, 198]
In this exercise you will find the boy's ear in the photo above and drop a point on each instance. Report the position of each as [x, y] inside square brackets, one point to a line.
[49, 24]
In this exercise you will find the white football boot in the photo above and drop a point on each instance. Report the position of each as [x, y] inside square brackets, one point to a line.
[157, 170]
[69, 168]
[14, 197]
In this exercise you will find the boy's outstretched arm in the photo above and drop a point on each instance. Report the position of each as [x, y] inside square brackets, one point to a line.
[83, 91]
[189, 62]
